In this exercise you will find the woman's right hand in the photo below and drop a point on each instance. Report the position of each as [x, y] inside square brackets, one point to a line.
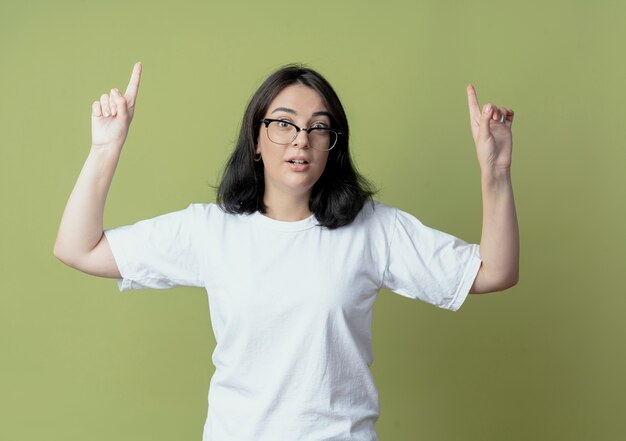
[112, 114]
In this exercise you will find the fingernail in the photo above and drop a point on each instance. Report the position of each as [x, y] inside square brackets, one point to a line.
[106, 114]
[486, 108]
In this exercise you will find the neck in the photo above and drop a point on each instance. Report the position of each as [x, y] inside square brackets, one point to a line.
[288, 208]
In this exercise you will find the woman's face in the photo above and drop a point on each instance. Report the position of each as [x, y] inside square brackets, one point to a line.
[303, 107]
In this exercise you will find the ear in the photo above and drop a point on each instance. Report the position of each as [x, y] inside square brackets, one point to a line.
[257, 149]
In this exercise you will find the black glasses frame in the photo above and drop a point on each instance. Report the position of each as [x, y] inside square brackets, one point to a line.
[268, 121]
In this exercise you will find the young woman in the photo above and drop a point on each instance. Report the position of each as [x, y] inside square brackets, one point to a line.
[292, 256]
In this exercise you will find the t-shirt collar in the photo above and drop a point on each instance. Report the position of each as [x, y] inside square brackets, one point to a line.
[274, 224]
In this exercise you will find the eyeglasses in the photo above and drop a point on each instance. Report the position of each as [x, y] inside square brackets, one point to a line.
[284, 132]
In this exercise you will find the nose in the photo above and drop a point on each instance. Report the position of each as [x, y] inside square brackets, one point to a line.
[301, 140]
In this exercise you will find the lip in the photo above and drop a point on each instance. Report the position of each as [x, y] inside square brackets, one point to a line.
[298, 167]
[298, 158]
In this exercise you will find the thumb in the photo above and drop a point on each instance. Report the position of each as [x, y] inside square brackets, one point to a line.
[484, 131]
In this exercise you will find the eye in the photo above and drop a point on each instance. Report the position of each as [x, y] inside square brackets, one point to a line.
[283, 124]
[319, 125]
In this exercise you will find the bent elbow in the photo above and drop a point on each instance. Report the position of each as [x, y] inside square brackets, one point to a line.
[489, 281]
[63, 255]
[509, 282]
[58, 252]
[515, 278]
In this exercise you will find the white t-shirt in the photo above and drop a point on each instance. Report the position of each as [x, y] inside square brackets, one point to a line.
[291, 308]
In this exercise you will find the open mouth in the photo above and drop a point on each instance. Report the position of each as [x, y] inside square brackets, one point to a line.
[298, 161]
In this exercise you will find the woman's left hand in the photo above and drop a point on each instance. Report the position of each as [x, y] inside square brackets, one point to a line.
[491, 130]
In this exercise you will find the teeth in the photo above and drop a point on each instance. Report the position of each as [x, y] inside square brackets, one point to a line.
[298, 161]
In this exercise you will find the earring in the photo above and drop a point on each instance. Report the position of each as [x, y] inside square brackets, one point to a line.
[257, 157]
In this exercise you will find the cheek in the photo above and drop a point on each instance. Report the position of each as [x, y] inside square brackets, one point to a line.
[272, 162]
[323, 163]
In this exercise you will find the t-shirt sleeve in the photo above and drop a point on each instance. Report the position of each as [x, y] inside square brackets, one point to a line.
[160, 253]
[428, 264]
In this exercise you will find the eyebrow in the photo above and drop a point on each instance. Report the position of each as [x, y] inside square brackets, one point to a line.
[293, 112]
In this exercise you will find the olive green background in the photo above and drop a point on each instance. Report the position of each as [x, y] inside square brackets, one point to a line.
[543, 361]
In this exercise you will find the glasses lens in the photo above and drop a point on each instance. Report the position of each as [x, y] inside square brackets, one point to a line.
[322, 139]
[281, 132]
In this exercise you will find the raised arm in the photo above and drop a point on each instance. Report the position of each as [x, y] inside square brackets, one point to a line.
[499, 243]
[80, 241]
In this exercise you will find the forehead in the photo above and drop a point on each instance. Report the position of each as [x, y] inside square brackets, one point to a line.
[303, 99]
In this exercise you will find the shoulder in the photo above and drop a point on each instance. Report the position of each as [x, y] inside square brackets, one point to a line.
[376, 212]
[378, 216]
[374, 217]
[210, 212]
[203, 209]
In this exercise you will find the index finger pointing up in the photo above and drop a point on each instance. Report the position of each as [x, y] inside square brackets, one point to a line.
[472, 102]
[133, 84]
